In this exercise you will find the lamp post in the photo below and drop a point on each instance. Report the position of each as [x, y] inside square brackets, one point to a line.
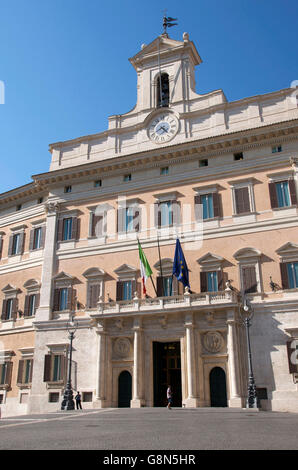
[68, 402]
[246, 316]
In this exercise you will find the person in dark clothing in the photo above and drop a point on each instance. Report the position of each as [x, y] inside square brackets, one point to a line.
[78, 400]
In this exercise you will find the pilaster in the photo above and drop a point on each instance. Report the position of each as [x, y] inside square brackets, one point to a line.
[138, 379]
[192, 399]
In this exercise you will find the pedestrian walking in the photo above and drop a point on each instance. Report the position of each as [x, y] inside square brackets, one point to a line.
[169, 397]
[78, 400]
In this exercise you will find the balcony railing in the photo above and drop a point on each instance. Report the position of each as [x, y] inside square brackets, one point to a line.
[174, 302]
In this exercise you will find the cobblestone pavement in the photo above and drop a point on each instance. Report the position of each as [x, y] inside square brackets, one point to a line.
[151, 428]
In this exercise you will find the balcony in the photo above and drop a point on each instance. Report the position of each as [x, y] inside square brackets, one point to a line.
[186, 302]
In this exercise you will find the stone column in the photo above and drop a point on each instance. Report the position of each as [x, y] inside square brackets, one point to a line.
[233, 362]
[49, 257]
[192, 399]
[138, 386]
[101, 366]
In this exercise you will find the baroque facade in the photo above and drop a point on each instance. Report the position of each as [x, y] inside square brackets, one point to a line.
[223, 177]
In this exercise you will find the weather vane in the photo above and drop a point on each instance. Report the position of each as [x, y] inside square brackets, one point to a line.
[168, 23]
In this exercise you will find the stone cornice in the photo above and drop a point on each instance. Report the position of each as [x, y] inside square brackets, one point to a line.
[214, 145]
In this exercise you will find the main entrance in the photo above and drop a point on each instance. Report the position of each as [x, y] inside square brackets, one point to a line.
[218, 388]
[124, 389]
[167, 371]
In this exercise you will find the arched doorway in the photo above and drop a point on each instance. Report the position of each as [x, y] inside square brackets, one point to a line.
[218, 387]
[124, 389]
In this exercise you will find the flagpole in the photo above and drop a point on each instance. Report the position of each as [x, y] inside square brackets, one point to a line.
[153, 285]
[163, 292]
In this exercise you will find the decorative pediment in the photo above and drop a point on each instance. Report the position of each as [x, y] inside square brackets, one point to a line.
[247, 254]
[126, 269]
[210, 259]
[62, 276]
[9, 289]
[163, 45]
[32, 284]
[289, 251]
[94, 273]
[166, 263]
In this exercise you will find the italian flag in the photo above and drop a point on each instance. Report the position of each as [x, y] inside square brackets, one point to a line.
[145, 268]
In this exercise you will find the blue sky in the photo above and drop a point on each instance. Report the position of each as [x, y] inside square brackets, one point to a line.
[64, 63]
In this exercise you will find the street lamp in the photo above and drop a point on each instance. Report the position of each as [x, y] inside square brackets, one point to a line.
[246, 316]
[68, 402]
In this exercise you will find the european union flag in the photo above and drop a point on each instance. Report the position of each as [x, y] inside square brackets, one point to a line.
[180, 269]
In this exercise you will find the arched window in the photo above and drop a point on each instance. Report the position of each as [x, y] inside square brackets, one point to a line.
[163, 90]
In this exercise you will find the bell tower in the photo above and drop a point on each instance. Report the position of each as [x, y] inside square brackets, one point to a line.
[166, 74]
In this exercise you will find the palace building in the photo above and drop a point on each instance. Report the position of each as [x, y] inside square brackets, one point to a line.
[223, 178]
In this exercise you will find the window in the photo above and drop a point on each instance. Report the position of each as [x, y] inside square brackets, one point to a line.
[87, 396]
[16, 239]
[67, 189]
[163, 90]
[54, 397]
[238, 156]
[282, 193]
[40, 200]
[63, 299]
[9, 309]
[127, 178]
[5, 373]
[203, 162]
[242, 203]
[97, 184]
[276, 149]
[25, 371]
[125, 290]
[54, 368]
[289, 275]
[36, 238]
[249, 279]
[67, 229]
[210, 202]
[129, 218]
[249, 262]
[164, 170]
[19, 207]
[165, 214]
[31, 304]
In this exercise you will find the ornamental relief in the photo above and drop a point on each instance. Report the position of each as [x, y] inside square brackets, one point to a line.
[122, 348]
[213, 341]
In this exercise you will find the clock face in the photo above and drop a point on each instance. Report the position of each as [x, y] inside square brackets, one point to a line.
[163, 128]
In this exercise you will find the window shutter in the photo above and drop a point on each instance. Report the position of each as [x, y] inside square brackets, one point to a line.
[203, 278]
[75, 228]
[47, 368]
[1, 247]
[43, 236]
[60, 230]
[133, 288]
[284, 275]
[97, 225]
[198, 212]
[70, 298]
[120, 219]
[273, 195]
[157, 215]
[292, 189]
[176, 209]
[31, 241]
[56, 300]
[216, 204]
[119, 291]
[159, 286]
[94, 292]
[37, 302]
[4, 307]
[136, 221]
[10, 245]
[8, 373]
[14, 309]
[249, 279]
[220, 280]
[27, 305]
[242, 200]
[31, 371]
[22, 243]
[20, 371]
[293, 368]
